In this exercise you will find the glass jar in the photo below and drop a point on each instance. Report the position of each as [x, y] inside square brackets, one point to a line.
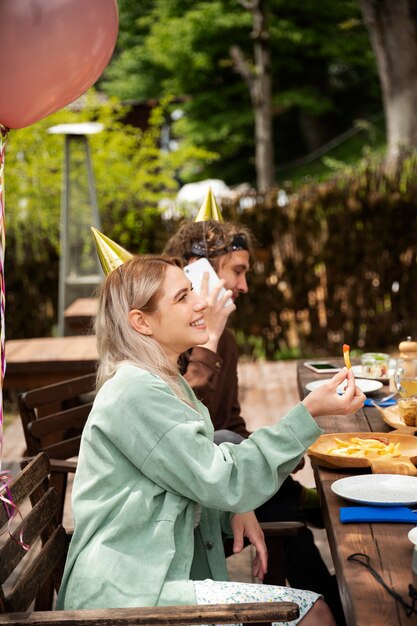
[375, 364]
[407, 410]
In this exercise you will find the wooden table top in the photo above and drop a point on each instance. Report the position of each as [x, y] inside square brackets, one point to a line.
[32, 363]
[365, 601]
[79, 316]
[82, 307]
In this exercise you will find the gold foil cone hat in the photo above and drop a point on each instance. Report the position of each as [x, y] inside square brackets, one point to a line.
[111, 255]
[209, 210]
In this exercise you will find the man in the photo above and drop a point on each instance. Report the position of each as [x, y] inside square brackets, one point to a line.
[211, 370]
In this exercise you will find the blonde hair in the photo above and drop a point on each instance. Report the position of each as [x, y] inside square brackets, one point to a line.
[137, 284]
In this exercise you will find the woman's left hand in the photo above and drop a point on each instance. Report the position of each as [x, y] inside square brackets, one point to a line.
[246, 525]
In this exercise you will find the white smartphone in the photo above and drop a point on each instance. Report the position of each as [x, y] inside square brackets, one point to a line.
[322, 367]
[195, 272]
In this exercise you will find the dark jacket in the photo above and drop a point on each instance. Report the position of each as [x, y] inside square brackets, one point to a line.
[213, 378]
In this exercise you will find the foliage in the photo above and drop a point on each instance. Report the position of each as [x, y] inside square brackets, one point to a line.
[366, 139]
[131, 176]
[336, 260]
[339, 261]
[322, 69]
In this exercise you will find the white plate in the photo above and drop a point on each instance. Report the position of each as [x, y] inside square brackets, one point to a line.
[357, 370]
[412, 535]
[365, 384]
[380, 489]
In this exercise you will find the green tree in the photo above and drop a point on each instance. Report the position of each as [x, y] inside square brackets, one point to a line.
[322, 71]
[132, 175]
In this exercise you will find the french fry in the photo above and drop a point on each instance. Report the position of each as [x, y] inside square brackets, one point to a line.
[357, 447]
[346, 355]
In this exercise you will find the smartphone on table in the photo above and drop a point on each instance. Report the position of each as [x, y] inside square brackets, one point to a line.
[195, 272]
[322, 367]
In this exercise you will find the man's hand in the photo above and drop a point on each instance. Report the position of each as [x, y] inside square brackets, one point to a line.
[246, 525]
[216, 314]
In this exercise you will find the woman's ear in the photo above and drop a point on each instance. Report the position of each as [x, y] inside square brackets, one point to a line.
[139, 323]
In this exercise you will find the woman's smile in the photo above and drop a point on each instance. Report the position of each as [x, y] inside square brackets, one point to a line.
[200, 323]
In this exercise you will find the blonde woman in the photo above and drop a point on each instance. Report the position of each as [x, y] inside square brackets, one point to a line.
[152, 493]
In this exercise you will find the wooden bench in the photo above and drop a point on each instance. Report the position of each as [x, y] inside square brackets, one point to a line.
[30, 575]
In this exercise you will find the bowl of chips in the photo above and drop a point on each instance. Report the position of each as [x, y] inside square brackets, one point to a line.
[384, 453]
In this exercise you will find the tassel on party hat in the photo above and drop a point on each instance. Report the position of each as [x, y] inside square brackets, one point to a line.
[111, 255]
[209, 210]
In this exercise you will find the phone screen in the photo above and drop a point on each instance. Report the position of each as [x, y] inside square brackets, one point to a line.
[324, 366]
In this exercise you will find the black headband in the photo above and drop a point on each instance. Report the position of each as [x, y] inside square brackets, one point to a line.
[200, 249]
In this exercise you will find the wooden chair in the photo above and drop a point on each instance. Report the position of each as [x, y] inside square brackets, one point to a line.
[23, 573]
[53, 418]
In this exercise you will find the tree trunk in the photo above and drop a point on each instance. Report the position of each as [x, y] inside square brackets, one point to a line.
[261, 99]
[258, 81]
[392, 25]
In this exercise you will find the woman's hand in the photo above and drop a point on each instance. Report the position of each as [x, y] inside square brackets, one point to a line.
[216, 314]
[246, 525]
[326, 401]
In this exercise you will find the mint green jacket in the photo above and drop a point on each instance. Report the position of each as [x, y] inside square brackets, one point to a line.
[152, 493]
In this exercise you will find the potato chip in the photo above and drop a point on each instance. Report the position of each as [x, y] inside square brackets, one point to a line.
[369, 447]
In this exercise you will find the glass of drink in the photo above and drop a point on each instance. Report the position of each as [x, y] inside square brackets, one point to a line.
[405, 377]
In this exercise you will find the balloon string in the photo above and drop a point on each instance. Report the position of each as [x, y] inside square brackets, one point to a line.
[5, 494]
[3, 142]
[11, 509]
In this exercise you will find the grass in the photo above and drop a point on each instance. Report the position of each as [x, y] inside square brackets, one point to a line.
[366, 137]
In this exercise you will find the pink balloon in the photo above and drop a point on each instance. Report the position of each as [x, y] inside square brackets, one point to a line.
[51, 51]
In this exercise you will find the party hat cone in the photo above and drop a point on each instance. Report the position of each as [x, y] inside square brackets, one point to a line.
[209, 210]
[111, 255]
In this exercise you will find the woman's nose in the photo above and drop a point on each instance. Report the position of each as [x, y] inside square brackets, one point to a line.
[200, 304]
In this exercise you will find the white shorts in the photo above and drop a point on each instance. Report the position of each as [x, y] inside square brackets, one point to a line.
[218, 592]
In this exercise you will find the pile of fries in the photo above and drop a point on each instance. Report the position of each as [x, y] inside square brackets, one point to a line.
[356, 446]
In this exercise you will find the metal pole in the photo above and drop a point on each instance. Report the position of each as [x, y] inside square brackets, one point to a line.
[92, 192]
[63, 262]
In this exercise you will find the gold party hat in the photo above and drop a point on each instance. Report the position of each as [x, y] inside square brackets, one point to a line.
[111, 255]
[209, 210]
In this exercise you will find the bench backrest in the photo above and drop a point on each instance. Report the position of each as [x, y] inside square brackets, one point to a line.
[53, 416]
[33, 546]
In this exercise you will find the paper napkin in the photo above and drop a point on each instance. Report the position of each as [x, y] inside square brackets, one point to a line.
[378, 514]
[390, 402]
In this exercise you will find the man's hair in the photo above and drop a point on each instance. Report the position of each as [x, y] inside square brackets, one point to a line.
[209, 239]
[137, 284]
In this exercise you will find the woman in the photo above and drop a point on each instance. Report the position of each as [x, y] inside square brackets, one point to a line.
[152, 493]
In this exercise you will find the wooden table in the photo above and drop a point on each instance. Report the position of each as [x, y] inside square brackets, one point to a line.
[365, 601]
[32, 363]
[79, 316]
